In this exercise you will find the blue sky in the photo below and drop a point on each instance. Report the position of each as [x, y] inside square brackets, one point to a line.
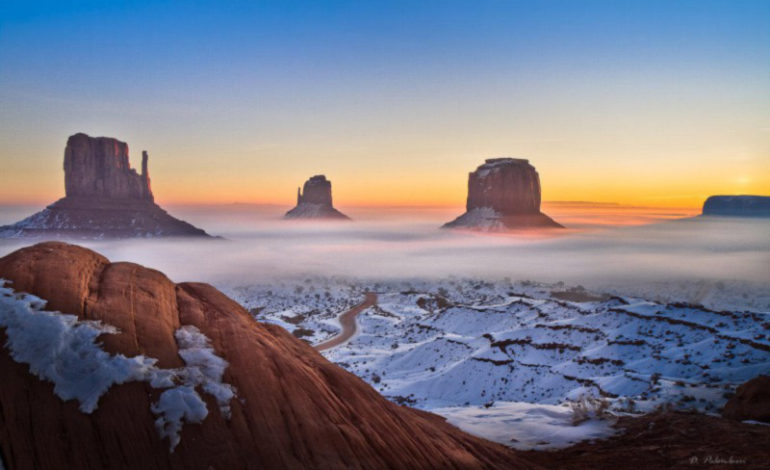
[370, 89]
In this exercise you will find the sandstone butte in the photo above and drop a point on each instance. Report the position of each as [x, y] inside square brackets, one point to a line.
[294, 409]
[503, 194]
[104, 198]
[315, 201]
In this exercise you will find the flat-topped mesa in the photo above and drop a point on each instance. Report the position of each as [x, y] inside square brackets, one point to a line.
[503, 194]
[315, 201]
[99, 167]
[737, 206]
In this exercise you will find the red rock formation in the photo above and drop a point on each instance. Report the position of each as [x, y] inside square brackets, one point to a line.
[503, 193]
[507, 185]
[751, 401]
[315, 201]
[99, 167]
[294, 409]
[105, 198]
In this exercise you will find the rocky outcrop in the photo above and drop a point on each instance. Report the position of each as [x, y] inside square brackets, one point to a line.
[666, 440]
[751, 401]
[315, 201]
[105, 198]
[503, 194]
[292, 409]
[737, 206]
[98, 167]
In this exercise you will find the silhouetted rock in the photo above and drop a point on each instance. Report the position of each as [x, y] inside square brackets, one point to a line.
[503, 194]
[737, 206]
[289, 408]
[98, 167]
[105, 198]
[315, 201]
[751, 401]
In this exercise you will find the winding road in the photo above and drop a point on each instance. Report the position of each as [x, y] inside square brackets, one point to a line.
[348, 322]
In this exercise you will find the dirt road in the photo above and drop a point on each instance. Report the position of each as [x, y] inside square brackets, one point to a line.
[348, 322]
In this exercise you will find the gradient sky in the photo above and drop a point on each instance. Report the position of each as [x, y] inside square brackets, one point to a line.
[637, 102]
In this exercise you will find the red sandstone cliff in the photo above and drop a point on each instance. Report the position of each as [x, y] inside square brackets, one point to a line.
[503, 194]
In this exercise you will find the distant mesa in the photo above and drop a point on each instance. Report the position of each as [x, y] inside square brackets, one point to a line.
[503, 194]
[315, 201]
[105, 198]
[737, 206]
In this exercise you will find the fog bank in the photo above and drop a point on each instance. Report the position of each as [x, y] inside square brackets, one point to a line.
[604, 249]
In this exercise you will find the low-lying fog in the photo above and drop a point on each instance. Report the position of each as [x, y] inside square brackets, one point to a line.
[655, 253]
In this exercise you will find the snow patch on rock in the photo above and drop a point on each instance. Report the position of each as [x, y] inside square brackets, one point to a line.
[64, 350]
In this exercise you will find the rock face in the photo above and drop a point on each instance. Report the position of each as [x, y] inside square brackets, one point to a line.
[503, 194]
[98, 167]
[105, 198]
[737, 206]
[751, 401]
[315, 201]
[292, 408]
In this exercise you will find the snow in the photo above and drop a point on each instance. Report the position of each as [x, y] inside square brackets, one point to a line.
[204, 367]
[308, 210]
[526, 425]
[483, 218]
[175, 406]
[63, 350]
[445, 345]
[492, 164]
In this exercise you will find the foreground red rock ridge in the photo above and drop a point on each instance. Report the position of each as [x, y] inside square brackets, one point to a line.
[294, 408]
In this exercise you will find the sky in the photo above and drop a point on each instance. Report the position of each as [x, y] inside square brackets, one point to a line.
[647, 103]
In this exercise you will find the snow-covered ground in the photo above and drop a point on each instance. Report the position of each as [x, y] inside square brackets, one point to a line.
[510, 360]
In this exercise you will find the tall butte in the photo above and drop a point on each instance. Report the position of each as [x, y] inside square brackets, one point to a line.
[315, 201]
[104, 198]
[503, 194]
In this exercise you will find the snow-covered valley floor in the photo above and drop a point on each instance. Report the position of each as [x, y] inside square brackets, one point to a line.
[526, 364]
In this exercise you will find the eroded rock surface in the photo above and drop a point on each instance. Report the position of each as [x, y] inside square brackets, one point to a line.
[294, 409]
